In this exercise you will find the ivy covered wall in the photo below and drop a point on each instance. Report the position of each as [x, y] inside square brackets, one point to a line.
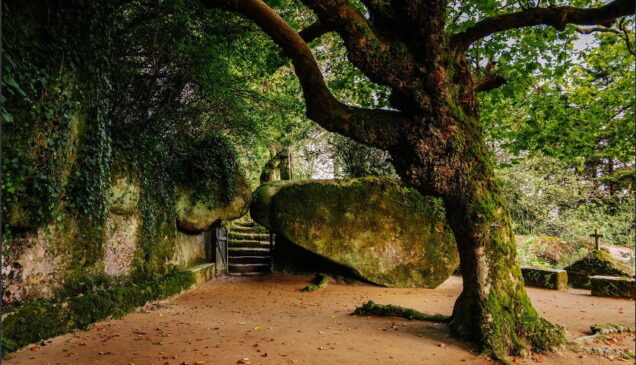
[105, 150]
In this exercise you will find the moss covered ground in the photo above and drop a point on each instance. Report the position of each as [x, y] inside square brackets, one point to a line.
[39, 320]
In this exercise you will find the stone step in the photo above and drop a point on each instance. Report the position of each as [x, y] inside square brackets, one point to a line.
[254, 236]
[248, 229]
[248, 268]
[247, 274]
[244, 224]
[249, 260]
[256, 244]
[248, 251]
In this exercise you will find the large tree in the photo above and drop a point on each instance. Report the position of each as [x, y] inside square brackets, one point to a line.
[433, 132]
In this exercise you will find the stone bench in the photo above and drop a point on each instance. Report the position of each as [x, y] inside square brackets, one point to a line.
[203, 273]
[545, 278]
[578, 279]
[613, 286]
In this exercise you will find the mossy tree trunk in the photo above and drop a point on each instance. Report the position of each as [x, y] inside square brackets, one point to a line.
[283, 156]
[278, 166]
[433, 132]
[493, 309]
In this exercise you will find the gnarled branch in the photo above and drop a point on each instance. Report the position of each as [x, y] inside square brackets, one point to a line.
[489, 81]
[386, 62]
[557, 17]
[314, 31]
[368, 126]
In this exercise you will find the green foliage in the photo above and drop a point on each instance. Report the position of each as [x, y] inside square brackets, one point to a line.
[80, 282]
[40, 320]
[210, 160]
[357, 160]
[547, 198]
[50, 88]
[582, 116]
[137, 94]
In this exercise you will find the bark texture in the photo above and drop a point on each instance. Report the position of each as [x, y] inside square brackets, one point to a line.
[434, 135]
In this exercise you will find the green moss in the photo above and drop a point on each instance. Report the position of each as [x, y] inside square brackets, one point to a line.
[79, 281]
[545, 278]
[617, 287]
[372, 309]
[597, 262]
[40, 320]
[384, 232]
[320, 282]
[34, 322]
[604, 329]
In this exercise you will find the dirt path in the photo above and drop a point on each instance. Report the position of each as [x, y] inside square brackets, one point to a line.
[268, 321]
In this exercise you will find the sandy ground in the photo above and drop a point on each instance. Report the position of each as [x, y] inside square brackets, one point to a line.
[267, 320]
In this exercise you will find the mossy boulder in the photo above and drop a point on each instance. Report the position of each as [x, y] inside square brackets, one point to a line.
[197, 210]
[386, 233]
[597, 262]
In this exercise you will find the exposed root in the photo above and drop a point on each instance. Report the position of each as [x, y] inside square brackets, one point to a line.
[321, 281]
[371, 308]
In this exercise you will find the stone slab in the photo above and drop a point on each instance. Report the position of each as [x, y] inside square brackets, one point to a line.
[613, 286]
[545, 278]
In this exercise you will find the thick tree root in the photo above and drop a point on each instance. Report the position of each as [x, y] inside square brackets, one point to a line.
[321, 282]
[371, 308]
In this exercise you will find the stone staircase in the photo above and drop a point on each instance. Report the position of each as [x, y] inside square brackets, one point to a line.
[249, 251]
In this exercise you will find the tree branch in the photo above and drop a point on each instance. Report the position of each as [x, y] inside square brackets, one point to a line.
[368, 126]
[597, 30]
[384, 61]
[314, 31]
[489, 81]
[557, 17]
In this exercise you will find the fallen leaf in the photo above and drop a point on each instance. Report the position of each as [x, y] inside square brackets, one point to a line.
[536, 358]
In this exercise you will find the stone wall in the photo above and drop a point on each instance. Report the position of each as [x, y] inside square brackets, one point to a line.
[42, 261]
[189, 249]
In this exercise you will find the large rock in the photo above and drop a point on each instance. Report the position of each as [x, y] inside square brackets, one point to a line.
[386, 233]
[197, 210]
